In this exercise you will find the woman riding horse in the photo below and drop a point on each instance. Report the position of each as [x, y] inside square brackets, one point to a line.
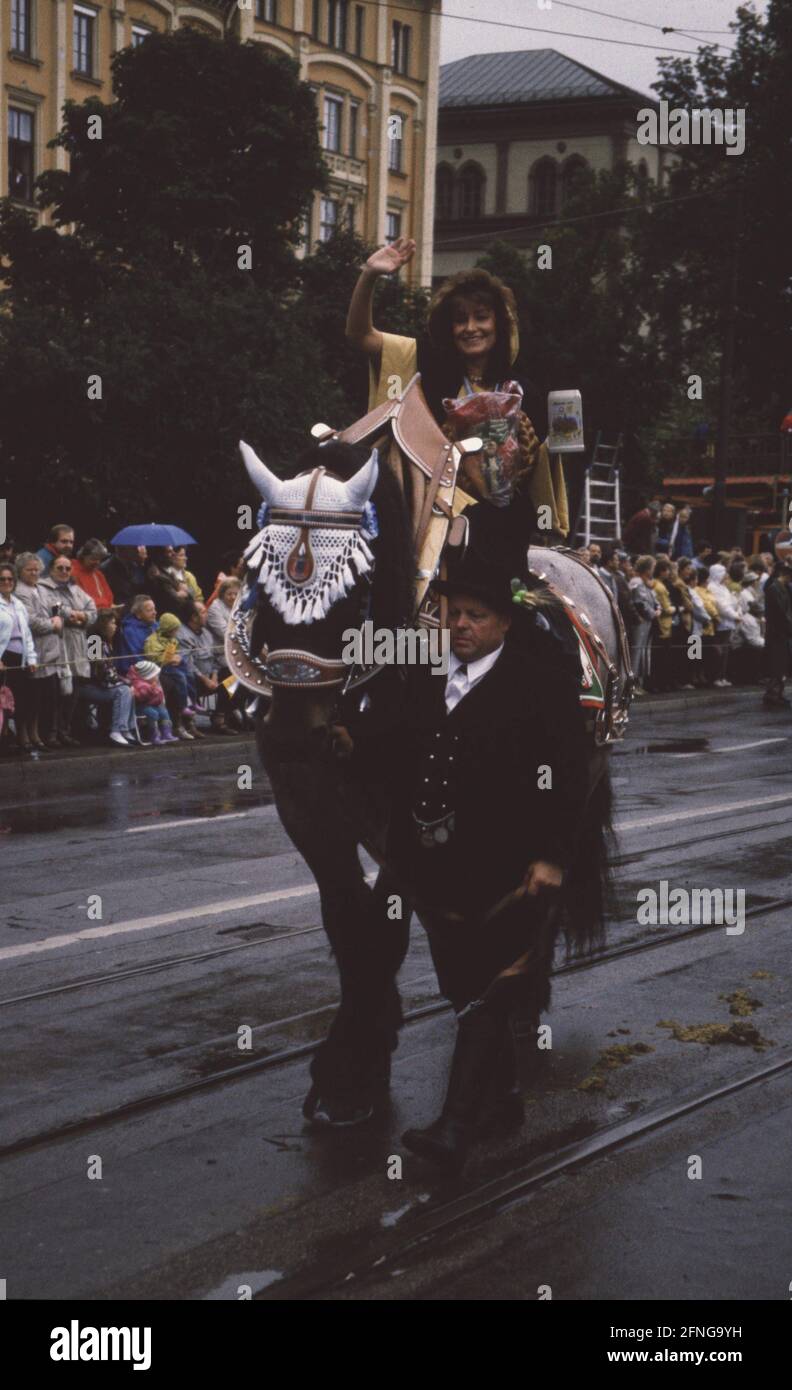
[468, 364]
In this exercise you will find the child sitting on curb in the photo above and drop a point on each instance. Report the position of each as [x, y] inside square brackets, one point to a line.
[150, 701]
[162, 647]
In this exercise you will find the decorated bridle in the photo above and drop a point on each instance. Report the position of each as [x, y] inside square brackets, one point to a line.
[284, 566]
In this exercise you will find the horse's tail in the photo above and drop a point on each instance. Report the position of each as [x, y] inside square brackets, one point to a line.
[588, 888]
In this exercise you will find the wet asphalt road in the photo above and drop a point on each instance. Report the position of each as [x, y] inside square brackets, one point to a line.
[209, 924]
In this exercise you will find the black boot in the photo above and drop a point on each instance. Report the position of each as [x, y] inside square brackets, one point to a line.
[350, 1071]
[448, 1140]
[503, 1109]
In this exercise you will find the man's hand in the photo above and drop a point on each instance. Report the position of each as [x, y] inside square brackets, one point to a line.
[540, 876]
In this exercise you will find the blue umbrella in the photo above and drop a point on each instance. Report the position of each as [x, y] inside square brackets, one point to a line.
[153, 534]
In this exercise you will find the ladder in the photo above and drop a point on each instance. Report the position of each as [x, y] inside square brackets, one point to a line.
[599, 518]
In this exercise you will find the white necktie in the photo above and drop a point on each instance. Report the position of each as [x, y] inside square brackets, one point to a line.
[456, 687]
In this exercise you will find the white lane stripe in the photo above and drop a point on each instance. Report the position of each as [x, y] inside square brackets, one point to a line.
[194, 820]
[735, 747]
[721, 808]
[731, 748]
[51, 943]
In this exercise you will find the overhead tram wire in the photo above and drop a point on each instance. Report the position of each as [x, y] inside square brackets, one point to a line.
[645, 24]
[554, 33]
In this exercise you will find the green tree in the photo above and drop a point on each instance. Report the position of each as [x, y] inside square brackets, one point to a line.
[713, 201]
[328, 278]
[207, 146]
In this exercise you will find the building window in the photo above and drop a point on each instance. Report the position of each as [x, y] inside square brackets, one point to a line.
[20, 154]
[21, 26]
[139, 34]
[84, 36]
[444, 192]
[328, 219]
[392, 226]
[360, 32]
[400, 47]
[395, 142]
[574, 176]
[350, 217]
[471, 192]
[337, 23]
[332, 125]
[542, 188]
[354, 108]
[267, 10]
[317, 18]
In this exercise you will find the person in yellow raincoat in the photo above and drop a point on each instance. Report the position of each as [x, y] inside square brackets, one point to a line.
[470, 350]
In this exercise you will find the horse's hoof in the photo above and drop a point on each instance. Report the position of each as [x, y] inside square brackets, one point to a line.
[335, 1113]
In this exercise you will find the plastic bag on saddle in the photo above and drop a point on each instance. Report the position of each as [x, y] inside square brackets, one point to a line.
[494, 416]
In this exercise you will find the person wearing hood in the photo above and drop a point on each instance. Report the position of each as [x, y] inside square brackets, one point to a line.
[162, 647]
[78, 612]
[729, 619]
[144, 678]
[473, 385]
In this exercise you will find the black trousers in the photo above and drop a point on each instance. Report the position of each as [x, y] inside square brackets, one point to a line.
[470, 957]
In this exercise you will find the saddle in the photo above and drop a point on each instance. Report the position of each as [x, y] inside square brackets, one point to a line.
[425, 465]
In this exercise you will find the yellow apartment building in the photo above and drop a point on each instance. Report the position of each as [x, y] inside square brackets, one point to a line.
[372, 66]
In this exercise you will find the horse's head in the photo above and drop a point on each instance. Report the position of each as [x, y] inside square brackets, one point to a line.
[309, 575]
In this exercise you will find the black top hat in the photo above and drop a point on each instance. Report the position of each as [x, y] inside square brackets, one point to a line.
[480, 579]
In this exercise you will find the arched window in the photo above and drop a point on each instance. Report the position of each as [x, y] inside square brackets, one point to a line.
[573, 176]
[444, 192]
[471, 191]
[542, 188]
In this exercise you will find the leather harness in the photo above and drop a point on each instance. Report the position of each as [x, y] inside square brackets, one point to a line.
[415, 438]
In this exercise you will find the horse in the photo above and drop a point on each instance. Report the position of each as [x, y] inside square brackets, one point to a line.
[337, 546]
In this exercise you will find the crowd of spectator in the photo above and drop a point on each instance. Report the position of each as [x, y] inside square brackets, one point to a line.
[119, 648]
[123, 647]
[670, 590]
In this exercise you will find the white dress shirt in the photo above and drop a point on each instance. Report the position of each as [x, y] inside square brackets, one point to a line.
[462, 676]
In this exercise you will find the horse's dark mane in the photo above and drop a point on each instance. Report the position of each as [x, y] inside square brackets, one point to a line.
[392, 592]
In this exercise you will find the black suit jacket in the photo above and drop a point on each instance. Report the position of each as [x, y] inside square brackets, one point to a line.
[489, 762]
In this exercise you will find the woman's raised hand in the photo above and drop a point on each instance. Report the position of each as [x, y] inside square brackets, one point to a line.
[390, 258]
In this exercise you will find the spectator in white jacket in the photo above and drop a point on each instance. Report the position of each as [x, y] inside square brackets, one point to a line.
[729, 619]
[17, 656]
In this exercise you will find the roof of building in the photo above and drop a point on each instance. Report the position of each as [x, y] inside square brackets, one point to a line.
[531, 74]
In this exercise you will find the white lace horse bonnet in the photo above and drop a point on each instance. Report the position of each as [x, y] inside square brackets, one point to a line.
[313, 544]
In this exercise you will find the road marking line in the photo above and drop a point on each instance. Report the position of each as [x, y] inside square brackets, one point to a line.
[720, 809]
[194, 820]
[735, 747]
[51, 943]
[731, 748]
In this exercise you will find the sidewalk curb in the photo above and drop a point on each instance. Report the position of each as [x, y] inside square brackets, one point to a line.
[19, 770]
[685, 700]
